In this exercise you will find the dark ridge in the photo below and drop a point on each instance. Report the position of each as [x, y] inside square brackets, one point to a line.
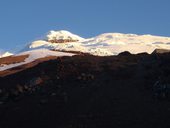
[125, 53]
[86, 91]
[160, 51]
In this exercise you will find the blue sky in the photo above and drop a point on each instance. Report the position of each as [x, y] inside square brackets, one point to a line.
[22, 21]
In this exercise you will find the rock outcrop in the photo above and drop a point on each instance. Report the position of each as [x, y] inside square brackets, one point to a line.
[62, 37]
[62, 41]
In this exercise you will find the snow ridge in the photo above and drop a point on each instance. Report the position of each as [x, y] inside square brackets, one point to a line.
[105, 44]
[6, 54]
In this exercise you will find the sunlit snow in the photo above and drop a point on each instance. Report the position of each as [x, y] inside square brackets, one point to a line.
[6, 54]
[33, 55]
[102, 45]
[105, 44]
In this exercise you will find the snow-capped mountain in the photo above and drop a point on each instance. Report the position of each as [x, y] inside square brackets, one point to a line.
[67, 41]
[57, 43]
[102, 45]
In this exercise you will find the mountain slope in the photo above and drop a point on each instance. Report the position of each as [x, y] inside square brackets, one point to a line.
[31, 56]
[107, 44]
[88, 92]
[104, 44]
[60, 83]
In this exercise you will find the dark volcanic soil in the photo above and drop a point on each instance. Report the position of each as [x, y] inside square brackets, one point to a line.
[89, 92]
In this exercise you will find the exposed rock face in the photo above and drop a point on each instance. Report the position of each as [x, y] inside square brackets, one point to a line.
[62, 41]
[62, 37]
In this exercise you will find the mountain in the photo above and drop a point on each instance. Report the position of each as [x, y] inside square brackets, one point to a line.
[64, 43]
[102, 45]
[86, 91]
[66, 81]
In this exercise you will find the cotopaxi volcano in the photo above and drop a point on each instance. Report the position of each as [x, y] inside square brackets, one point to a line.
[65, 81]
[57, 43]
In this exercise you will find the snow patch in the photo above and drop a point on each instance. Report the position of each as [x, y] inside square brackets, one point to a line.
[34, 55]
[6, 54]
